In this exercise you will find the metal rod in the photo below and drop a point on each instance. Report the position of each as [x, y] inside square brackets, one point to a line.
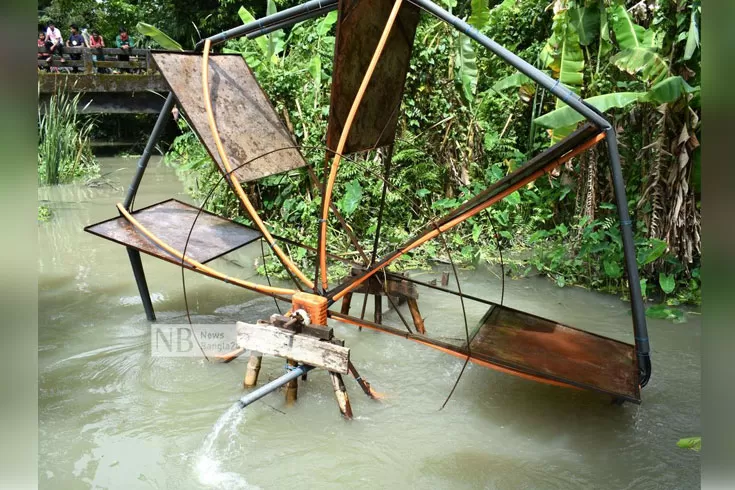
[145, 295]
[553, 86]
[149, 147]
[388, 158]
[313, 7]
[273, 385]
[445, 290]
[289, 22]
[640, 329]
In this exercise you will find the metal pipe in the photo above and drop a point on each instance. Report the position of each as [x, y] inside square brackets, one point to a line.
[550, 84]
[149, 147]
[145, 295]
[273, 385]
[640, 329]
[313, 7]
[291, 21]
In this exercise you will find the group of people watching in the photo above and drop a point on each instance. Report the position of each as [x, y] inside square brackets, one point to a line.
[54, 43]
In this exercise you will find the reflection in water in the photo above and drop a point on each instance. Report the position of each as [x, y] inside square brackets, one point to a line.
[111, 415]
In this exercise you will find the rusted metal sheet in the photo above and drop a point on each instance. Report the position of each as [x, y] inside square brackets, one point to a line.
[248, 124]
[171, 221]
[359, 27]
[550, 350]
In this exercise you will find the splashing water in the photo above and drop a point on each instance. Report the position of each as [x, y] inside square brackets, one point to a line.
[208, 466]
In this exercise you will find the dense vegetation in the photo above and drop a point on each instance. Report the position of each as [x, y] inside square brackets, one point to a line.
[64, 149]
[468, 119]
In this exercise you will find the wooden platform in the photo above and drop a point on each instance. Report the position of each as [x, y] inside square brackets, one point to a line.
[171, 221]
[548, 350]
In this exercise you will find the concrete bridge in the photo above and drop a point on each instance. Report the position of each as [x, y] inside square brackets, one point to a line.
[137, 88]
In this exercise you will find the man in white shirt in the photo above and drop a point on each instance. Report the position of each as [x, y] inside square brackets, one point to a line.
[54, 42]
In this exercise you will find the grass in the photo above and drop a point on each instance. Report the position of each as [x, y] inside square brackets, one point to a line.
[64, 149]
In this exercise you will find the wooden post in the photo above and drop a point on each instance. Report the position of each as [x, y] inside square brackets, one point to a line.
[416, 314]
[445, 279]
[340, 392]
[253, 369]
[366, 388]
[292, 387]
[346, 301]
[378, 314]
[88, 64]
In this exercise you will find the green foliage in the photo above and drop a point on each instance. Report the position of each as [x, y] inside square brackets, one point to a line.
[158, 36]
[568, 117]
[466, 64]
[64, 150]
[467, 120]
[586, 21]
[44, 213]
[667, 283]
[692, 36]
[668, 90]
[351, 198]
[693, 443]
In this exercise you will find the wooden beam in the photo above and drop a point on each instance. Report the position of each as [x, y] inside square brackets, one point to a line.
[276, 341]
[50, 83]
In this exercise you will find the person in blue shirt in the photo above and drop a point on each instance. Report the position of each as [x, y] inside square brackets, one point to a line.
[76, 40]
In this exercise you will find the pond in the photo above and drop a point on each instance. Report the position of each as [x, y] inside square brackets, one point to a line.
[113, 416]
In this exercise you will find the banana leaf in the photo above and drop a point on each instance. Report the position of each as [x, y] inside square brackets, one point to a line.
[563, 54]
[480, 14]
[669, 90]
[693, 34]
[565, 117]
[644, 62]
[466, 62]
[276, 39]
[586, 21]
[158, 36]
[511, 81]
[247, 18]
[628, 34]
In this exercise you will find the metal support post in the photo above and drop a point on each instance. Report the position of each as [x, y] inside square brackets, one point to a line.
[145, 295]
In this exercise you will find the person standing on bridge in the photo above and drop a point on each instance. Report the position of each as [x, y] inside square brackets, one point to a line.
[54, 42]
[124, 42]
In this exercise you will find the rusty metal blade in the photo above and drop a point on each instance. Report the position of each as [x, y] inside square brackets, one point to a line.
[248, 124]
[359, 27]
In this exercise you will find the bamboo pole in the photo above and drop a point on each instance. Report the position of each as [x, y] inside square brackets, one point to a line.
[413, 306]
[253, 369]
[340, 392]
[292, 387]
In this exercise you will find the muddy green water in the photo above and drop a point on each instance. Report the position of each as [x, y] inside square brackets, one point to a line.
[112, 416]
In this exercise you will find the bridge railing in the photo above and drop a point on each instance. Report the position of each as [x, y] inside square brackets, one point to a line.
[105, 58]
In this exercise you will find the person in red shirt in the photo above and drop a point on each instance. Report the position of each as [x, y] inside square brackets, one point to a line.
[97, 42]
